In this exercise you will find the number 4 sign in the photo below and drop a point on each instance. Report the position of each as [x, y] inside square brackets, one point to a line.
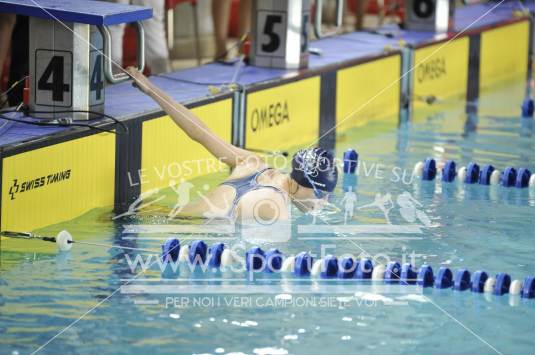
[66, 69]
[53, 70]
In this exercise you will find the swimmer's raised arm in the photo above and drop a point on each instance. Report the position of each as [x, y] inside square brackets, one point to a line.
[191, 124]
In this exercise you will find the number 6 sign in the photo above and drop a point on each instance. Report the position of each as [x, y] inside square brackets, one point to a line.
[429, 15]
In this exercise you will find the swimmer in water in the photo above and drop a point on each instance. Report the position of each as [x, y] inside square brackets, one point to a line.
[253, 189]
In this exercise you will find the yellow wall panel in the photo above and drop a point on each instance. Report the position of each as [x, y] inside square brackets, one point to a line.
[169, 154]
[441, 70]
[504, 54]
[283, 116]
[59, 182]
[367, 92]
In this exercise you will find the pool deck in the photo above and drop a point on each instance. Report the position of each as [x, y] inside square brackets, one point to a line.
[125, 102]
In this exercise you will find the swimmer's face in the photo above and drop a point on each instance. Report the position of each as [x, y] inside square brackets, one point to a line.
[305, 199]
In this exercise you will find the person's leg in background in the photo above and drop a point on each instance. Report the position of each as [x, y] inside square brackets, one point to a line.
[220, 17]
[245, 17]
[7, 22]
[156, 51]
[362, 6]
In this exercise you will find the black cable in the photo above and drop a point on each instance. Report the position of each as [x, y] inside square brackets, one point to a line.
[14, 85]
[51, 124]
[28, 113]
[120, 123]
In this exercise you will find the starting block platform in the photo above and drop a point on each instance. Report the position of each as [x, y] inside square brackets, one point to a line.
[79, 11]
[250, 107]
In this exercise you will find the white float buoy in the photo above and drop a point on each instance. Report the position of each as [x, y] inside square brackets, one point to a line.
[316, 268]
[532, 180]
[378, 272]
[183, 254]
[495, 177]
[489, 285]
[461, 173]
[227, 258]
[516, 287]
[418, 169]
[63, 241]
[288, 264]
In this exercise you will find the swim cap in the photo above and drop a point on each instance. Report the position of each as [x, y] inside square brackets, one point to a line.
[314, 168]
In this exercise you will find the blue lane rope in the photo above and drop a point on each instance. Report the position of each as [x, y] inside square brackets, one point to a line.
[303, 265]
[474, 174]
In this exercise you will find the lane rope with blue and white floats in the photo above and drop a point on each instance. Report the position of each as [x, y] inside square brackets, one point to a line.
[520, 178]
[330, 267]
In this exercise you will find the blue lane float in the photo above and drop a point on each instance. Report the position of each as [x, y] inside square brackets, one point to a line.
[215, 255]
[503, 282]
[430, 169]
[478, 281]
[528, 287]
[522, 178]
[329, 267]
[303, 264]
[255, 259]
[273, 260]
[197, 252]
[474, 174]
[449, 171]
[350, 159]
[364, 269]
[408, 275]
[347, 268]
[444, 278]
[170, 250]
[527, 108]
[485, 174]
[508, 178]
[392, 272]
[462, 280]
[425, 276]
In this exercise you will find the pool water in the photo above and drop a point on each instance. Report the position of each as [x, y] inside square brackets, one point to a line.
[475, 227]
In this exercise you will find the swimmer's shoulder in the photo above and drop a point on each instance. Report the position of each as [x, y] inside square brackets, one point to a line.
[247, 167]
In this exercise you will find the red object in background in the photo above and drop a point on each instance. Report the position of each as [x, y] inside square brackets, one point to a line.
[234, 22]
[392, 7]
[130, 49]
[171, 4]
[246, 48]
[26, 92]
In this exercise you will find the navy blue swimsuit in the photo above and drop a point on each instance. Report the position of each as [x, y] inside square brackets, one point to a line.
[245, 184]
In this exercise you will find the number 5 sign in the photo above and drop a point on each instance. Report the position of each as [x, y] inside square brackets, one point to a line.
[280, 33]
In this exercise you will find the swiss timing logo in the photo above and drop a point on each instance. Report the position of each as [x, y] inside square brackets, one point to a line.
[14, 189]
[39, 182]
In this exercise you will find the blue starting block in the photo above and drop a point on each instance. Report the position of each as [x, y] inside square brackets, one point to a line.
[70, 48]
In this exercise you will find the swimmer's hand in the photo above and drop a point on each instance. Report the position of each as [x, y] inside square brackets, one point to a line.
[140, 81]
